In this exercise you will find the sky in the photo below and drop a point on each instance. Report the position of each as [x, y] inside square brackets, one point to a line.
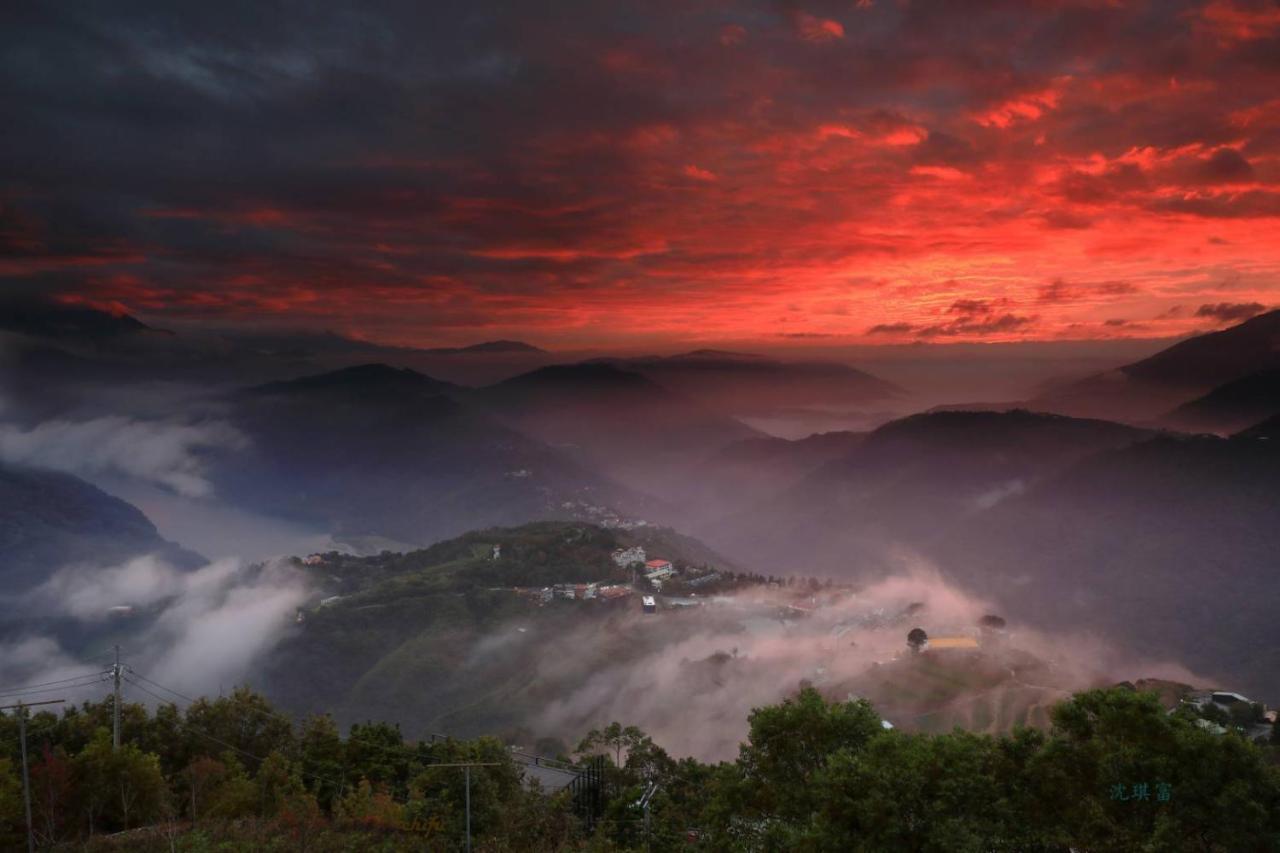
[587, 172]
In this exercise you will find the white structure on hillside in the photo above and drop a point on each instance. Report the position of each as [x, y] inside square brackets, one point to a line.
[625, 557]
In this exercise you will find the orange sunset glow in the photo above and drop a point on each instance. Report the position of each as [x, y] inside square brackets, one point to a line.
[846, 172]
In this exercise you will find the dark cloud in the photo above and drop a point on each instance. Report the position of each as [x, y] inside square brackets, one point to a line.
[970, 307]
[806, 335]
[1059, 290]
[1231, 311]
[890, 329]
[1002, 324]
[1242, 205]
[1226, 165]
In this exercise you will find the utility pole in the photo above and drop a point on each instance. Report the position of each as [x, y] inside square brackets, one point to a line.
[115, 704]
[26, 776]
[466, 772]
[644, 804]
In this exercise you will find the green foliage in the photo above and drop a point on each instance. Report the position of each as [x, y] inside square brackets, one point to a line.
[912, 792]
[616, 739]
[12, 818]
[118, 788]
[1115, 773]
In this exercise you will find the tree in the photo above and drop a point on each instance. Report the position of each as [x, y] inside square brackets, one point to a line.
[235, 795]
[614, 737]
[914, 792]
[52, 793]
[301, 817]
[119, 788]
[199, 778]
[438, 793]
[368, 807]
[244, 720]
[916, 638]
[376, 752]
[275, 780]
[12, 816]
[1218, 791]
[770, 795]
[323, 758]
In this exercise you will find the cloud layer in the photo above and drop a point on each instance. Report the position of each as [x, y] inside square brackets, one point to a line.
[194, 631]
[156, 452]
[436, 173]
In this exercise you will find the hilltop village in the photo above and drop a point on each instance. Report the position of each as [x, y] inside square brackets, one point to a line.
[923, 670]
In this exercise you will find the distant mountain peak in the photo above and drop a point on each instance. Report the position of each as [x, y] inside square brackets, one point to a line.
[500, 346]
[360, 377]
[594, 373]
[727, 355]
[1215, 358]
[48, 319]
[1232, 406]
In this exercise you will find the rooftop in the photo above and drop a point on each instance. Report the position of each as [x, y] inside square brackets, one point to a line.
[953, 643]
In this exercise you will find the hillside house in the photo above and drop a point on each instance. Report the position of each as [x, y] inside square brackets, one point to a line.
[658, 570]
[313, 560]
[610, 594]
[625, 557]
[535, 595]
[960, 643]
[1225, 697]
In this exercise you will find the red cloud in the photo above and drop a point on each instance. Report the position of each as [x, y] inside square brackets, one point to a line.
[934, 170]
[811, 28]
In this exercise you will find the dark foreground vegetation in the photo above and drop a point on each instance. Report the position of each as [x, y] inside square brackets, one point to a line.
[1117, 772]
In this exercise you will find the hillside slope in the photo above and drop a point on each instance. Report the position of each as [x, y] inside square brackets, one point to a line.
[1231, 407]
[438, 640]
[1166, 547]
[617, 421]
[743, 383]
[49, 520]
[907, 484]
[1151, 387]
[382, 451]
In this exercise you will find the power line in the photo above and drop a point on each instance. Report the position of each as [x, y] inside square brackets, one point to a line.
[14, 691]
[46, 690]
[181, 696]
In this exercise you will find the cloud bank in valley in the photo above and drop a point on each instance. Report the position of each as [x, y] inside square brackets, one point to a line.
[694, 688]
[165, 453]
[198, 632]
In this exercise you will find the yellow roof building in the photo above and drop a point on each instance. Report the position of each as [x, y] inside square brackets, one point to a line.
[953, 643]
